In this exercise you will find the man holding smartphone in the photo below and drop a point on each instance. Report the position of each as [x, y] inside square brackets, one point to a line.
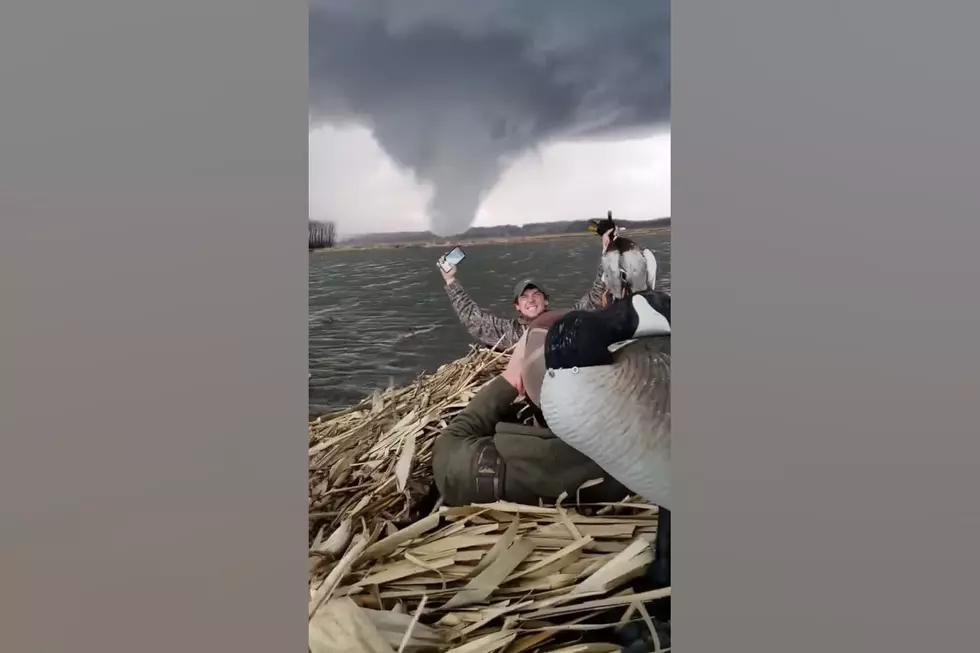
[530, 301]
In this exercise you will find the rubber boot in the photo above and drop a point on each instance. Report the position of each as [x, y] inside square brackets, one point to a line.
[659, 573]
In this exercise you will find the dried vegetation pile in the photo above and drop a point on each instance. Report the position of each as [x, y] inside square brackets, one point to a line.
[390, 572]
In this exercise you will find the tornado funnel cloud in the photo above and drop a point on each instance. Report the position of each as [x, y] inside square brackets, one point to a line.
[455, 90]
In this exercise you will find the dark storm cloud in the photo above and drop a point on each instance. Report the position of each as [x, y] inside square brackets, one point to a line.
[456, 89]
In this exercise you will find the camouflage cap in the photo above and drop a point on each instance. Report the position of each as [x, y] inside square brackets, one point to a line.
[523, 285]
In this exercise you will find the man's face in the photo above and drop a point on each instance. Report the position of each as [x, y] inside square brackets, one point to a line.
[531, 303]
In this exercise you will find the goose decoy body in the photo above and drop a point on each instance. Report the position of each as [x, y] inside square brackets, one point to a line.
[613, 404]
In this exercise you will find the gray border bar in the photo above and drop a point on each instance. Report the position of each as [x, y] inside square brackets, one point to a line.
[824, 260]
[153, 285]
[153, 340]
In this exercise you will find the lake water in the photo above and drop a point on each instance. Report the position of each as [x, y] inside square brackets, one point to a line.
[383, 315]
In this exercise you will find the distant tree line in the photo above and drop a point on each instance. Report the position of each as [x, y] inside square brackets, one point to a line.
[502, 231]
[322, 234]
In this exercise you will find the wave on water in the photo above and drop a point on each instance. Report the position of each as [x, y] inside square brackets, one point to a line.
[411, 334]
[320, 316]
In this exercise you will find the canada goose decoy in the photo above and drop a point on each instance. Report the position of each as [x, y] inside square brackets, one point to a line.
[626, 267]
[614, 405]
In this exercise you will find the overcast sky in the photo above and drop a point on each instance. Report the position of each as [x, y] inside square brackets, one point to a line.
[441, 114]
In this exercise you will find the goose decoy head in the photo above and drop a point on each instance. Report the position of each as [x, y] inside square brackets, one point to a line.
[602, 226]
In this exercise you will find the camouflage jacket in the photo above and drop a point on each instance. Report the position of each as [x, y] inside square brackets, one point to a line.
[491, 330]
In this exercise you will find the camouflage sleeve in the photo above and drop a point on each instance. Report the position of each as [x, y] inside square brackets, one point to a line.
[594, 299]
[487, 329]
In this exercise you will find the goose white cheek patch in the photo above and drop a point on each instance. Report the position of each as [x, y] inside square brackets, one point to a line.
[651, 323]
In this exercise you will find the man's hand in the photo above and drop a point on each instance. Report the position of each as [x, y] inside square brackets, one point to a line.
[515, 366]
[450, 276]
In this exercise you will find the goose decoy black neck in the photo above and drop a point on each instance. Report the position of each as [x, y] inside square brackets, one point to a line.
[582, 338]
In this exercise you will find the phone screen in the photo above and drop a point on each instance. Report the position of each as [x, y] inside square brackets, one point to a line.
[455, 256]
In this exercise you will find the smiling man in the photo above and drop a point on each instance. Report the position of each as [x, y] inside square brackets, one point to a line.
[530, 301]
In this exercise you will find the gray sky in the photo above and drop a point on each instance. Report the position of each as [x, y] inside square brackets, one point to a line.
[445, 113]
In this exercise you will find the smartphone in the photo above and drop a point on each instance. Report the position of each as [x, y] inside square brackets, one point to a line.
[451, 259]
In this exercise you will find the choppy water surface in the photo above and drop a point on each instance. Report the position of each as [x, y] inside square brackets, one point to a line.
[383, 315]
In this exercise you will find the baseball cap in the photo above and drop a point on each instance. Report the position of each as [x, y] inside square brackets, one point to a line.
[523, 285]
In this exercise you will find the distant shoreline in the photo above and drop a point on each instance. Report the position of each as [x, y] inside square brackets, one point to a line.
[489, 240]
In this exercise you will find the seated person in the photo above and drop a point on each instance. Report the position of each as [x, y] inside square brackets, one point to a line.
[485, 454]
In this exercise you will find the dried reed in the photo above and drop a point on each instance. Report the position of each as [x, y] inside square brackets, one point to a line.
[393, 573]
[373, 461]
